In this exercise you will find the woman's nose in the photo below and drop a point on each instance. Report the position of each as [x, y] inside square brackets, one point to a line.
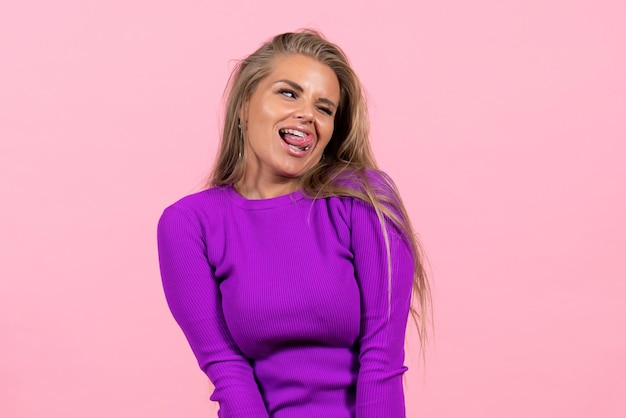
[305, 111]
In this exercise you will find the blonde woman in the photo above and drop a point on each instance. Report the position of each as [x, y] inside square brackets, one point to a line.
[291, 276]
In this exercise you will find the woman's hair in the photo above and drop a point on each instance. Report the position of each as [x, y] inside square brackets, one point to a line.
[348, 167]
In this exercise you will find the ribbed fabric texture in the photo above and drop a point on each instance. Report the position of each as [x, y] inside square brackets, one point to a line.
[284, 302]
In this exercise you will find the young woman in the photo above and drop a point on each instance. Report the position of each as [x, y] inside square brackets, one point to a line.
[291, 276]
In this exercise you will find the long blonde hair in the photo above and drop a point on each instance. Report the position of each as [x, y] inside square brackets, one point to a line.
[348, 167]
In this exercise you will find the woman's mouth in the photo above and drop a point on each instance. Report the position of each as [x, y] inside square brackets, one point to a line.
[298, 141]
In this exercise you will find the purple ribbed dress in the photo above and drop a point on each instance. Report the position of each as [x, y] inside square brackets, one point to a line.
[284, 302]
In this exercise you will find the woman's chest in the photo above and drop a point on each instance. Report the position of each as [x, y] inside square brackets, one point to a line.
[288, 281]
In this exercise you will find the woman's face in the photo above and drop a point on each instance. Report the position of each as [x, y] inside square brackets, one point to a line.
[289, 119]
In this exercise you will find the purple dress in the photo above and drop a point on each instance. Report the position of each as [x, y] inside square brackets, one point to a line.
[286, 303]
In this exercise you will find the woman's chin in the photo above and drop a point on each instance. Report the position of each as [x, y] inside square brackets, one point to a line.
[294, 171]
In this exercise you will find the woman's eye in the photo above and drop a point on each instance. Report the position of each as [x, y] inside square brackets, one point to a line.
[326, 110]
[287, 93]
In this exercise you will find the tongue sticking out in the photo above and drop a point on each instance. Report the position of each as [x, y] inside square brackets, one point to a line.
[294, 139]
[296, 142]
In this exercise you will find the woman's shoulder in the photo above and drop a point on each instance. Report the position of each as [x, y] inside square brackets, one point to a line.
[367, 185]
[362, 179]
[371, 193]
[209, 201]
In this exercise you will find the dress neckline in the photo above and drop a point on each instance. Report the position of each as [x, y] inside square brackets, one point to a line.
[272, 202]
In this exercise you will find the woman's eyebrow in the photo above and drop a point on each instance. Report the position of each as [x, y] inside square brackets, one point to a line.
[293, 84]
[299, 88]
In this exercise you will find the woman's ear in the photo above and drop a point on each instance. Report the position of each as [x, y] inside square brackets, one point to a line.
[243, 115]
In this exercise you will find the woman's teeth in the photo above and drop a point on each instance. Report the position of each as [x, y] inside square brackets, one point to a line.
[292, 132]
[296, 148]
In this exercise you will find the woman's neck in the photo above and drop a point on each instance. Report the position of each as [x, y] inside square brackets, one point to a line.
[255, 189]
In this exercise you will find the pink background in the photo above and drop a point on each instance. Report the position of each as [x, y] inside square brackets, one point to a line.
[503, 123]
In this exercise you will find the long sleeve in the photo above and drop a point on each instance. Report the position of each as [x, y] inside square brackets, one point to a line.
[194, 298]
[384, 315]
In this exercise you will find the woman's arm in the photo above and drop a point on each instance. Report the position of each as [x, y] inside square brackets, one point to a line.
[384, 313]
[195, 301]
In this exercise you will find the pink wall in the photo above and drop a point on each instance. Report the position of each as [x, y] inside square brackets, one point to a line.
[503, 123]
